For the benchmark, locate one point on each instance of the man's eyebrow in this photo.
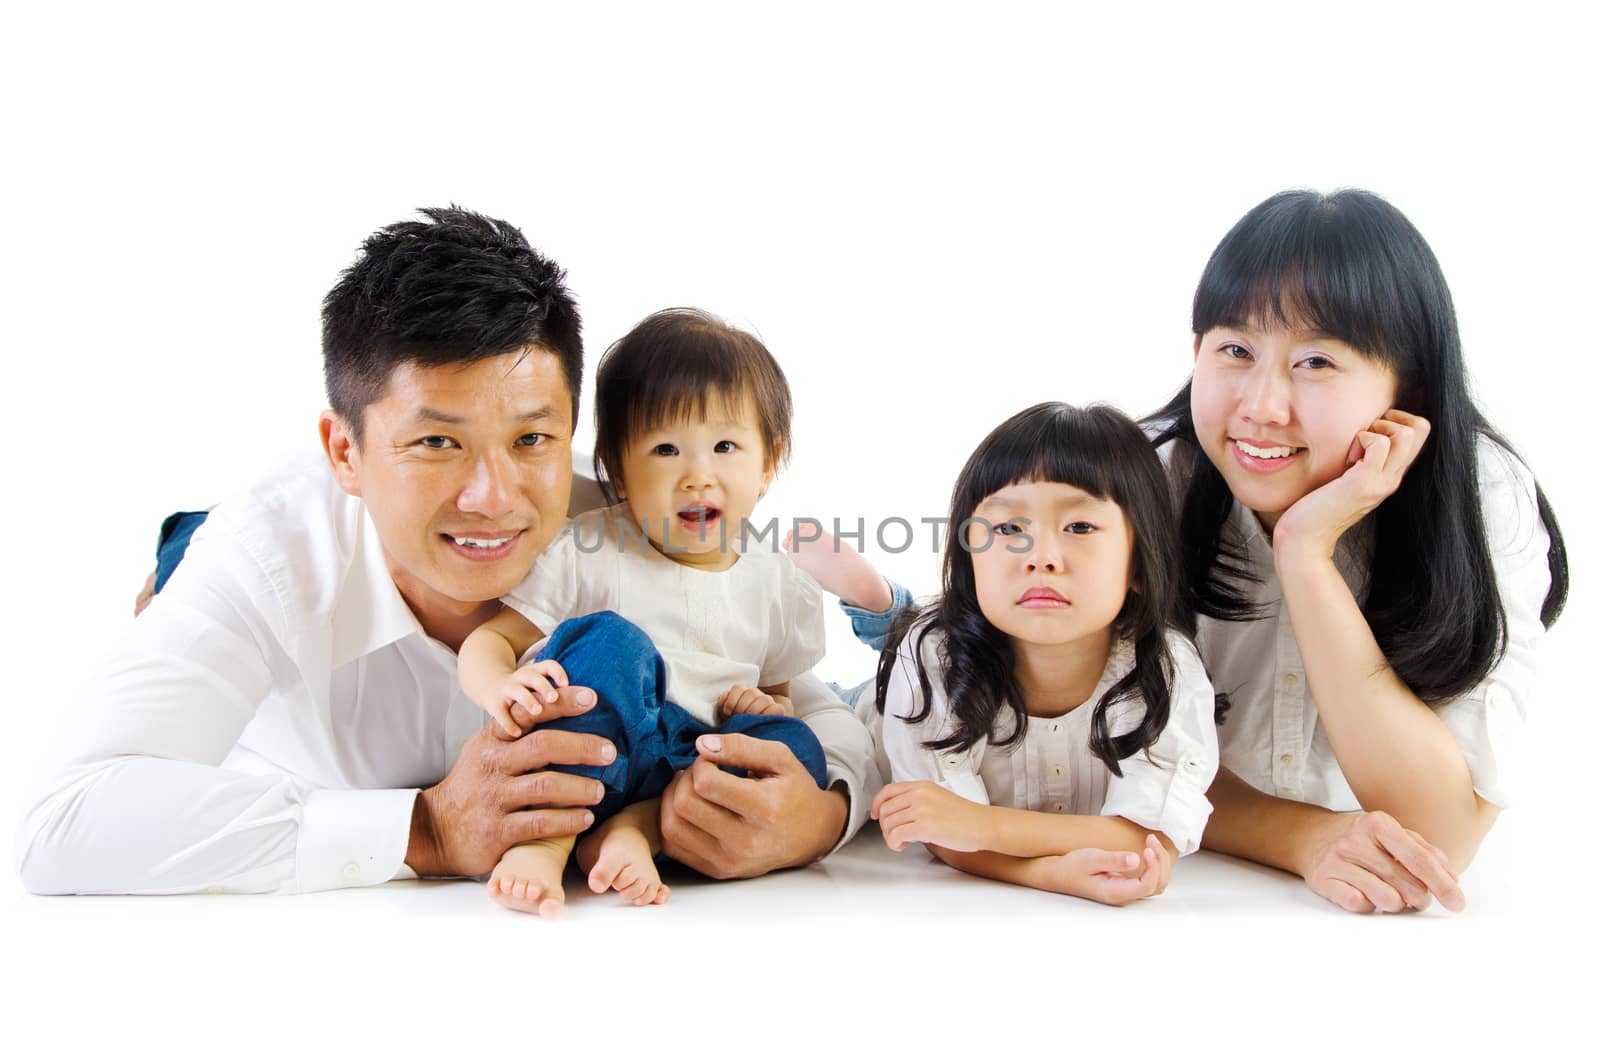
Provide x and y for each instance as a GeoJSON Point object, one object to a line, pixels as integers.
{"type": "Point", "coordinates": [429, 414]}
{"type": "Point", "coordinates": [543, 412]}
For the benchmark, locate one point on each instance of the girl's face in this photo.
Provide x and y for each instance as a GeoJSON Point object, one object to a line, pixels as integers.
{"type": "Point", "coordinates": [1054, 568]}
{"type": "Point", "coordinates": [1277, 410]}
{"type": "Point", "coordinates": [691, 484]}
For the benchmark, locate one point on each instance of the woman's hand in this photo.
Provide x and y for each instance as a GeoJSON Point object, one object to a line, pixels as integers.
{"type": "Point", "coordinates": [920, 811]}
{"type": "Point", "coordinates": [1367, 862]}
{"type": "Point", "coordinates": [1378, 459]}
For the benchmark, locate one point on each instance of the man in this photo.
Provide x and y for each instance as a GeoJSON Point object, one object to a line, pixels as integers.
{"type": "Point", "coordinates": [282, 714]}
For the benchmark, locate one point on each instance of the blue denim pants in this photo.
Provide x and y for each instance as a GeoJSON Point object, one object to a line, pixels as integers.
{"type": "Point", "coordinates": [173, 542]}
{"type": "Point", "coordinates": [872, 629]}
{"type": "Point", "coordinates": [654, 737]}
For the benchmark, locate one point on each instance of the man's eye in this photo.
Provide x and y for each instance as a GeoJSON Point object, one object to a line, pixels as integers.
{"type": "Point", "coordinates": [665, 449]}
{"type": "Point", "coordinates": [725, 446]}
{"type": "Point", "coordinates": [436, 441]}
{"type": "Point", "coordinates": [1081, 527]}
{"type": "Point", "coordinates": [531, 439]}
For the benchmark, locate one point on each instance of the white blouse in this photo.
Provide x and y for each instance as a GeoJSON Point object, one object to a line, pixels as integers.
{"type": "Point", "coordinates": [759, 623]}
{"type": "Point", "coordinates": [1052, 769]}
{"type": "Point", "coordinates": [1272, 736]}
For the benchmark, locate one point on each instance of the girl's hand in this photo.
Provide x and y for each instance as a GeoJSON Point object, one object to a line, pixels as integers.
{"type": "Point", "coordinates": [920, 811]}
{"type": "Point", "coordinates": [1378, 459]}
{"type": "Point", "coordinates": [529, 686]}
{"type": "Point", "coordinates": [1112, 877]}
{"type": "Point", "coordinates": [742, 700]}
{"type": "Point", "coordinates": [1368, 862]}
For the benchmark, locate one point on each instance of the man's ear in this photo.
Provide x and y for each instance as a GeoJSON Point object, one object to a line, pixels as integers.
{"type": "Point", "coordinates": [344, 455]}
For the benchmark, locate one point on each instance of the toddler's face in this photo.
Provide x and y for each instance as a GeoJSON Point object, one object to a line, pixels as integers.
{"type": "Point", "coordinates": [692, 484]}
{"type": "Point", "coordinates": [1054, 570]}
{"type": "Point", "coordinates": [1277, 410]}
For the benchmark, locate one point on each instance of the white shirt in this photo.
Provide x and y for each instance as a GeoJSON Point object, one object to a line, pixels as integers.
{"type": "Point", "coordinates": [266, 723]}
{"type": "Point", "coordinates": [757, 624]}
{"type": "Point", "coordinates": [1052, 769]}
{"type": "Point", "coordinates": [1272, 736]}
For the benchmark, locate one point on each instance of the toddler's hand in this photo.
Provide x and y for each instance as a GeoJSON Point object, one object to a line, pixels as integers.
{"type": "Point", "coordinates": [742, 700]}
{"type": "Point", "coordinates": [529, 685]}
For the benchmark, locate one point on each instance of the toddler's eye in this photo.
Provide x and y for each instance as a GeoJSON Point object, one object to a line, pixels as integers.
{"type": "Point", "coordinates": [725, 446]}
{"type": "Point", "coordinates": [1081, 527]}
{"type": "Point", "coordinates": [665, 449]}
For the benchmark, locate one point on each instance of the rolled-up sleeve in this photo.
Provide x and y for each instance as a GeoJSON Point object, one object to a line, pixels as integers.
{"type": "Point", "coordinates": [846, 745]}
{"type": "Point", "coordinates": [1165, 790]}
{"type": "Point", "coordinates": [904, 742]}
{"type": "Point", "coordinates": [1488, 722]}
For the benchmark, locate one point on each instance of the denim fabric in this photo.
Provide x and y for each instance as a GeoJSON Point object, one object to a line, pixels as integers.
{"type": "Point", "coordinates": [872, 629]}
{"type": "Point", "coordinates": [173, 542]}
{"type": "Point", "coordinates": [654, 737]}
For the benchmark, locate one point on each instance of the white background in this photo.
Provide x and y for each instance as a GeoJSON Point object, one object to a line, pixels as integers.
{"type": "Point", "coordinates": [934, 215]}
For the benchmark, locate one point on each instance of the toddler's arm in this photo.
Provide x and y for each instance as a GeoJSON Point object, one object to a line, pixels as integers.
{"type": "Point", "coordinates": [487, 668]}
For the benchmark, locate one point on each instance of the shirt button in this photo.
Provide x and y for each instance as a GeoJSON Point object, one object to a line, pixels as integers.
{"type": "Point", "coordinates": [1291, 679]}
{"type": "Point", "coordinates": [1054, 727]}
{"type": "Point", "coordinates": [1058, 771]}
{"type": "Point", "coordinates": [351, 871]}
{"type": "Point", "coordinates": [1059, 807]}
{"type": "Point", "coordinates": [1286, 759]}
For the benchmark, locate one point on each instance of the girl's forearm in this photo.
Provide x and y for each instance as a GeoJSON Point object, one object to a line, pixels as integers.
{"type": "Point", "coordinates": [1035, 834]}
{"type": "Point", "coordinates": [1394, 751]}
{"type": "Point", "coordinates": [1027, 872]}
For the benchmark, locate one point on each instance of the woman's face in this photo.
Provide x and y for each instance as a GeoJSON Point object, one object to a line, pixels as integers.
{"type": "Point", "coordinates": [1277, 410]}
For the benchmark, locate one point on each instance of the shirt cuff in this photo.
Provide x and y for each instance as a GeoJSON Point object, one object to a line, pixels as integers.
{"type": "Point", "coordinates": [353, 838]}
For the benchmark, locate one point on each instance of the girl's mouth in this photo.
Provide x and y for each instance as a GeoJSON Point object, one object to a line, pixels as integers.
{"type": "Point", "coordinates": [699, 519]}
{"type": "Point", "coordinates": [1041, 598]}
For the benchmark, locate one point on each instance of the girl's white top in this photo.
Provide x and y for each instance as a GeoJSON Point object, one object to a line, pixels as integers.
{"type": "Point", "coordinates": [1052, 768]}
{"type": "Point", "coordinates": [1272, 736]}
{"type": "Point", "coordinates": [759, 623]}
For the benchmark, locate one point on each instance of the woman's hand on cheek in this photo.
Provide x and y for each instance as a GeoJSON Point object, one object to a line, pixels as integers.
{"type": "Point", "coordinates": [1378, 459]}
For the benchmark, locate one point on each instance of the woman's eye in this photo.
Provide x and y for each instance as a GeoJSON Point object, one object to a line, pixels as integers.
{"type": "Point", "coordinates": [1317, 361]}
{"type": "Point", "coordinates": [436, 441]}
{"type": "Point", "coordinates": [724, 446]}
{"type": "Point", "coordinates": [1235, 351]}
{"type": "Point", "coordinates": [665, 449]}
{"type": "Point", "coordinates": [1081, 527]}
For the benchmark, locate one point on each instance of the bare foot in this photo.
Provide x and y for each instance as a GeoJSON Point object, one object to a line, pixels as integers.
{"type": "Point", "coordinates": [528, 877]}
{"type": "Point", "coordinates": [622, 862]}
{"type": "Point", "coordinates": [840, 569]}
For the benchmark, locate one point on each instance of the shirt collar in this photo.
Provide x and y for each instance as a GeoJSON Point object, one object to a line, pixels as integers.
{"type": "Point", "coordinates": [370, 613]}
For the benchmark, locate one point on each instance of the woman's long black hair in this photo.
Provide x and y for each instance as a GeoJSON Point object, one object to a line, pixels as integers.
{"type": "Point", "coordinates": [1353, 267]}
{"type": "Point", "coordinates": [1102, 452]}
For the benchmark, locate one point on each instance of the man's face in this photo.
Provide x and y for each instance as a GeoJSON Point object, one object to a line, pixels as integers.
{"type": "Point", "coordinates": [466, 470]}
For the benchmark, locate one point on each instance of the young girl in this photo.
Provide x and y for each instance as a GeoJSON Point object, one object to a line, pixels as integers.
{"type": "Point", "coordinates": [1045, 720]}
{"type": "Point", "coordinates": [649, 603]}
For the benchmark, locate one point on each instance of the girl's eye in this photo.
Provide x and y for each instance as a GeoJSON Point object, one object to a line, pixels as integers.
{"type": "Point", "coordinates": [724, 446]}
{"type": "Point", "coordinates": [665, 449]}
{"type": "Point", "coordinates": [436, 441]}
{"type": "Point", "coordinates": [1081, 527]}
{"type": "Point", "coordinates": [1007, 529]}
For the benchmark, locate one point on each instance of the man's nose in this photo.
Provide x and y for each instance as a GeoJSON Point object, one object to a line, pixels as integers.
{"type": "Point", "coordinates": [490, 489]}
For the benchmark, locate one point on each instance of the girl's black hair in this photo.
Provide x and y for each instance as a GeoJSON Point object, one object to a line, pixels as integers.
{"type": "Point", "coordinates": [1102, 452]}
{"type": "Point", "coordinates": [1353, 267]}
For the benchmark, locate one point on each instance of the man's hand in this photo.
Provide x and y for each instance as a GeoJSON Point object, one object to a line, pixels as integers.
{"type": "Point", "coordinates": [920, 811]}
{"type": "Point", "coordinates": [729, 827]}
{"type": "Point", "coordinates": [499, 793]}
{"type": "Point", "coordinates": [1366, 861]}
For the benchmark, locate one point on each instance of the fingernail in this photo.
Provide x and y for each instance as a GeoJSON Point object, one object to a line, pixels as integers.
{"type": "Point", "coordinates": [586, 698]}
{"type": "Point", "coordinates": [712, 744]}
{"type": "Point", "coordinates": [1132, 860]}
{"type": "Point", "coordinates": [608, 753]}
{"type": "Point", "coordinates": [588, 818]}
{"type": "Point", "coordinates": [535, 709]}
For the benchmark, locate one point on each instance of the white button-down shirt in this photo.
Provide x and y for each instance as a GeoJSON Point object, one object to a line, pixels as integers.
{"type": "Point", "coordinates": [1052, 769]}
{"type": "Point", "coordinates": [266, 723]}
{"type": "Point", "coordinates": [1272, 736]}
